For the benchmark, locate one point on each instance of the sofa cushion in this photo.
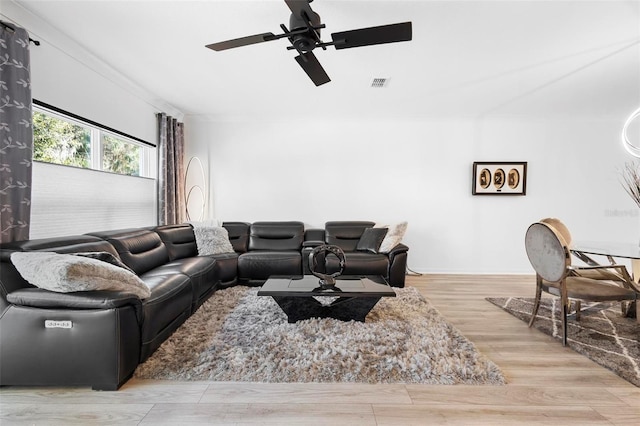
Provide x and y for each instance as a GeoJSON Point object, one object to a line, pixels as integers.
{"type": "Point", "coordinates": [371, 239]}
{"type": "Point", "coordinates": [394, 236]}
{"type": "Point", "coordinates": [140, 249]}
{"type": "Point", "coordinates": [260, 265]}
{"type": "Point", "coordinates": [64, 273]}
{"type": "Point", "coordinates": [345, 234]}
{"type": "Point", "coordinates": [279, 236]}
{"type": "Point", "coordinates": [200, 270]}
{"type": "Point", "coordinates": [168, 306]}
{"type": "Point", "coordinates": [360, 263]}
{"type": "Point", "coordinates": [179, 240]}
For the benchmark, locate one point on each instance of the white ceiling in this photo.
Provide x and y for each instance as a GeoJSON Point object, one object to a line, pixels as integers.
{"type": "Point", "coordinates": [467, 58]}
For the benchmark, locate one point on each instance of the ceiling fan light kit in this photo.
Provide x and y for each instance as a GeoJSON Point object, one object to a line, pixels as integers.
{"type": "Point", "coordinates": [304, 35]}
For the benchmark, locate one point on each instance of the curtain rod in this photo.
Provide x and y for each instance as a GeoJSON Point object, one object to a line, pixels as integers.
{"type": "Point", "coordinates": [12, 28]}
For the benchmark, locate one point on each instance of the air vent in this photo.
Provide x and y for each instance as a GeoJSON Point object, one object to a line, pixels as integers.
{"type": "Point", "coordinates": [379, 82]}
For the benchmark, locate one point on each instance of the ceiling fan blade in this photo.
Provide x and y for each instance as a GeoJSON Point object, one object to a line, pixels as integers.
{"type": "Point", "coordinates": [375, 35]}
{"type": "Point", "coordinates": [312, 67]}
{"type": "Point", "coordinates": [298, 7]}
{"type": "Point", "coordinates": [243, 41]}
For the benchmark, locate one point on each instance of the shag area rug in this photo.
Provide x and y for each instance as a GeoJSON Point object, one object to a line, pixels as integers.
{"type": "Point", "coordinates": [239, 336]}
{"type": "Point", "coordinates": [602, 335]}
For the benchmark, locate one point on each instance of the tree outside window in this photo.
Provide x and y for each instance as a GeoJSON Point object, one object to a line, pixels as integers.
{"type": "Point", "coordinates": [60, 142]}
{"type": "Point", "coordinates": [59, 139]}
{"type": "Point", "coordinates": [120, 156]}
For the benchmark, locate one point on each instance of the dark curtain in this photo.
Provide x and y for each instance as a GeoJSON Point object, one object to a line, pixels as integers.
{"type": "Point", "coordinates": [16, 134]}
{"type": "Point", "coordinates": [171, 206]}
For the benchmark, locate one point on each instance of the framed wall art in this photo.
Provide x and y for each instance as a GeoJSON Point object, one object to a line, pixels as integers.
{"type": "Point", "coordinates": [499, 178]}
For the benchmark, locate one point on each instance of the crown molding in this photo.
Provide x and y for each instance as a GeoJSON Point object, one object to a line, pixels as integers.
{"type": "Point", "coordinates": [40, 29]}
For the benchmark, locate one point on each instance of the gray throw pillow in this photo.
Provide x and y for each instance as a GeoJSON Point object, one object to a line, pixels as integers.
{"type": "Point", "coordinates": [66, 273]}
{"type": "Point", "coordinates": [212, 240]}
{"type": "Point", "coordinates": [393, 237]}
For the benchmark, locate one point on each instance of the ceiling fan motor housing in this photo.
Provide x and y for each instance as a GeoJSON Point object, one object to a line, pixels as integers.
{"type": "Point", "coordinates": [304, 34]}
{"type": "Point", "coordinates": [305, 42]}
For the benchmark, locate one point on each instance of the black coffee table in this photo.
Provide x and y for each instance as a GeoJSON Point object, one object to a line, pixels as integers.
{"type": "Point", "coordinates": [303, 297]}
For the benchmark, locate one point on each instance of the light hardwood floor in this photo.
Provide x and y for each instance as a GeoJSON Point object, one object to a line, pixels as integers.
{"type": "Point", "coordinates": [547, 384]}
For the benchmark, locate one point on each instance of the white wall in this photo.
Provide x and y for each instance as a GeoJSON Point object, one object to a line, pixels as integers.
{"type": "Point", "coordinates": [420, 171]}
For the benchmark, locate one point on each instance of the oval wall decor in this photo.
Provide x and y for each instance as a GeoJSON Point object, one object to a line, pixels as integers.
{"type": "Point", "coordinates": [195, 190]}
{"type": "Point", "coordinates": [499, 178]}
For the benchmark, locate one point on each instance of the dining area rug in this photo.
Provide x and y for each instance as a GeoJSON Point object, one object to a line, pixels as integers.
{"type": "Point", "coordinates": [239, 336]}
{"type": "Point", "coordinates": [602, 334]}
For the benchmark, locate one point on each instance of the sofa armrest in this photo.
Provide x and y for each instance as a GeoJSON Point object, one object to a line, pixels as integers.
{"type": "Point", "coordinates": [85, 342]}
{"type": "Point", "coordinates": [39, 298]}
{"type": "Point", "coordinates": [312, 244]}
{"type": "Point", "coordinates": [397, 265]}
{"type": "Point", "coordinates": [400, 248]}
{"type": "Point", "coordinates": [307, 248]}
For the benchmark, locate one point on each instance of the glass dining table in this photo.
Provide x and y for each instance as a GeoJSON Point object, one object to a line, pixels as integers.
{"type": "Point", "coordinates": [583, 250]}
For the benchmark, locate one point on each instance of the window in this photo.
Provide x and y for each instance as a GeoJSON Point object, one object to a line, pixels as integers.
{"type": "Point", "coordinates": [60, 141]}
{"type": "Point", "coordinates": [83, 198]}
{"type": "Point", "coordinates": [120, 156]}
{"type": "Point", "coordinates": [66, 139]}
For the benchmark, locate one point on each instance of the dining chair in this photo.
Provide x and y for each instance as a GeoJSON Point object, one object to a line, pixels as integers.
{"type": "Point", "coordinates": [564, 232]}
{"type": "Point", "coordinates": [550, 257]}
{"type": "Point", "coordinates": [616, 273]}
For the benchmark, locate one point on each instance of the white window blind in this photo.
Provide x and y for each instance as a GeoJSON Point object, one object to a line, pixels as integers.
{"type": "Point", "coordinates": [70, 201]}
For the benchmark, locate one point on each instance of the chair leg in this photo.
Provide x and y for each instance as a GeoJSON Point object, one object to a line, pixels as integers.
{"type": "Point", "coordinates": [578, 308]}
{"type": "Point", "coordinates": [536, 303]}
{"type": "Point", "coordinates": [566, 304]}
{"type": "Point", "coordinates": [628, 308]}
{"type": "Point", "coordinates": [565, 308]}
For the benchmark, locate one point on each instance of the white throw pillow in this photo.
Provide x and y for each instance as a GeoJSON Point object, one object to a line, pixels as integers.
{"type": "Point", "coordinates": [65, 273]}
{"type": "Point", "coordinates": [394, 236]}
{"type": "Point", "coordinates": [212, 240]}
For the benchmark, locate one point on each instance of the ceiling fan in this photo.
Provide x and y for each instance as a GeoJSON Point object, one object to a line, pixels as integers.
{"type": "Point", "coordinates": [304, 36]}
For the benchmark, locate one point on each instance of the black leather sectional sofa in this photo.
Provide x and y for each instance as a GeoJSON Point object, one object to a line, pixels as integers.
{"type": "Point", "coordinates": [108, 333]}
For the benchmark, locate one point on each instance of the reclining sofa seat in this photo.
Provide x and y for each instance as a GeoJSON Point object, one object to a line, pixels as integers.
{"type": "Point", "coordinates": [102, 349]}
{"type": "Point", "coordinates": [346, 235]}
{"type": "Point", "coordinates": [174, 294]}
{"type": "Point", "coordinates": [181, 244]}
{"type": "Point", "coordinates": [267, 249]}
